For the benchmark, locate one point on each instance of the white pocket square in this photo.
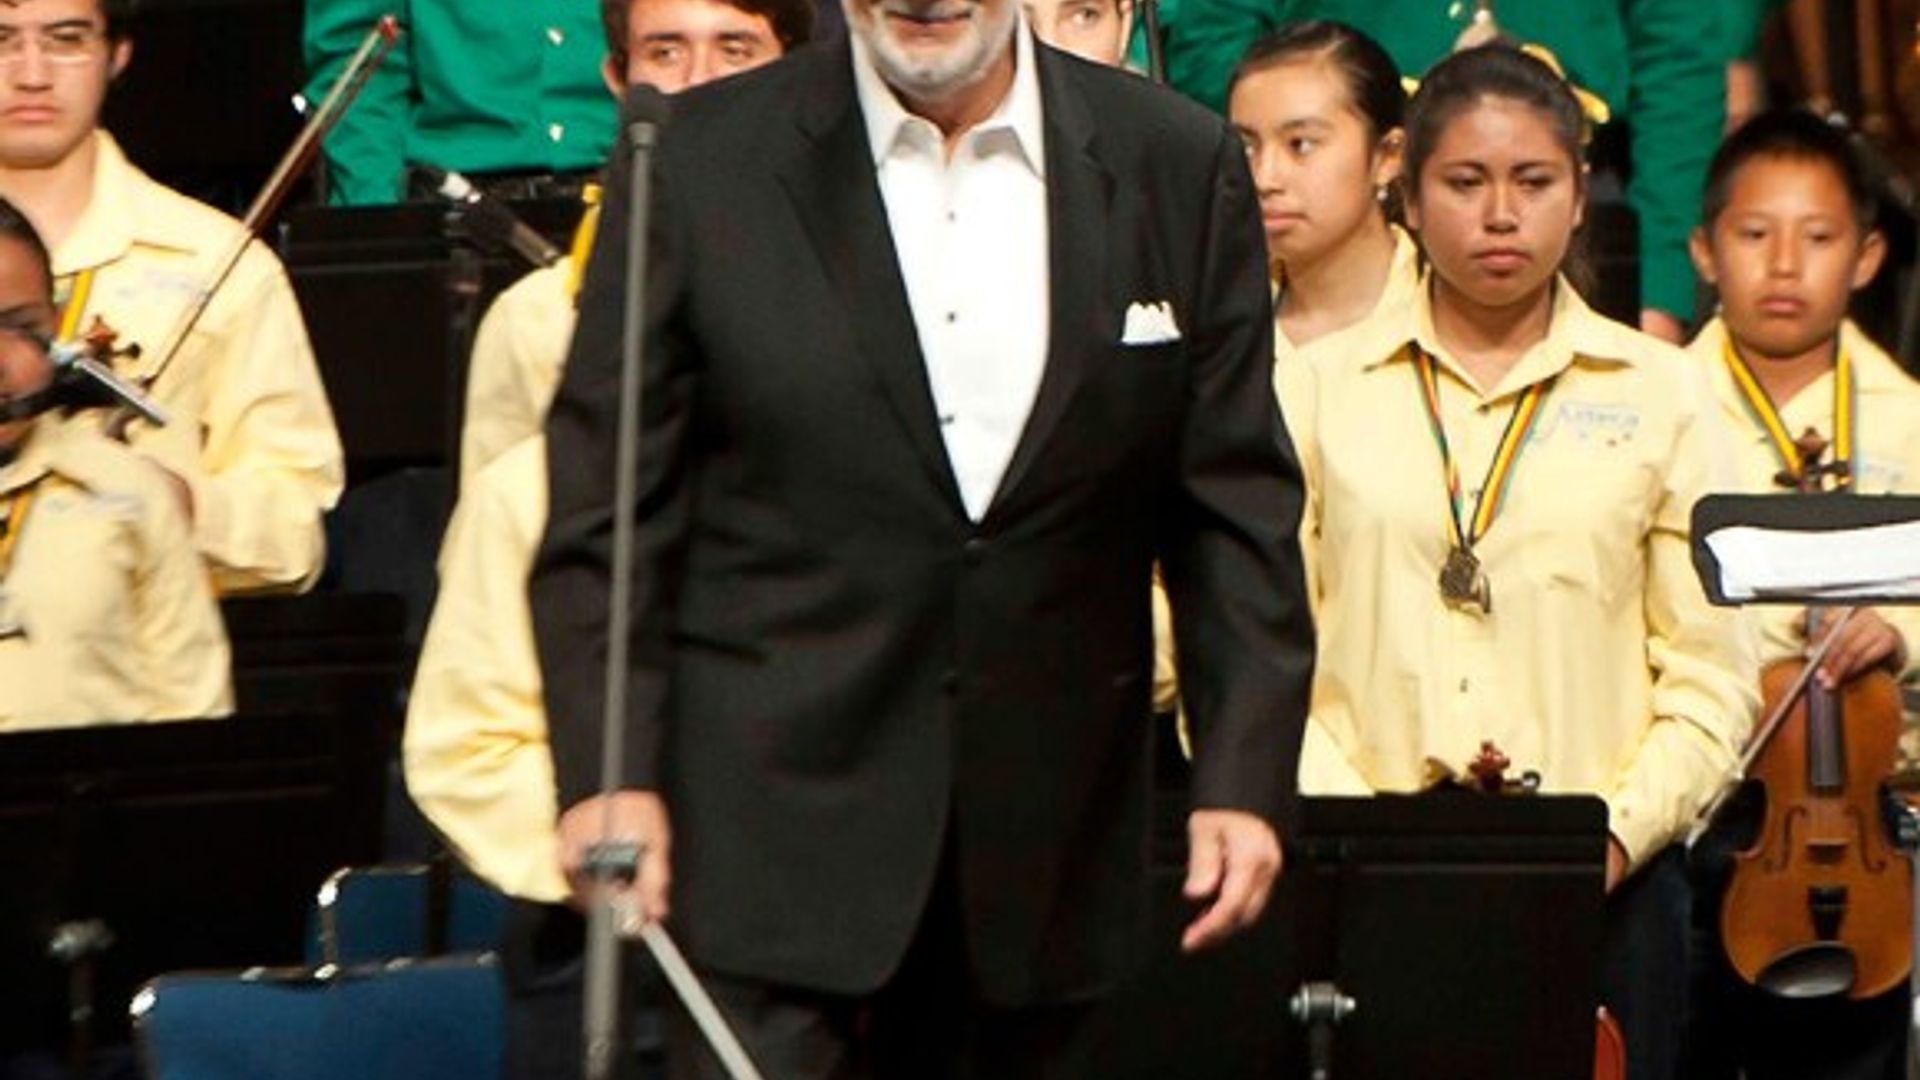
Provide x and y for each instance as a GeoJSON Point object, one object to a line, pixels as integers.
{"type": "Point", "coordinates": [1149, 324]}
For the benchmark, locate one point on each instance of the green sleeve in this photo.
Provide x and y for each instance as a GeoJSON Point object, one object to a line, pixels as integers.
{"type": "Point", "coordinates": [1676, 107]}
{"type": "Point", "coordinates": [1205, 40]}
{"type": "Point", "coordinates": [367, 150]}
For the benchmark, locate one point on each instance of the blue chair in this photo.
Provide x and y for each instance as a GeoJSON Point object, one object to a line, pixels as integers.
{"type": "Point", "coordinates": [424, 1020]}
{"type": "Point", "coordinates": [369, 914]}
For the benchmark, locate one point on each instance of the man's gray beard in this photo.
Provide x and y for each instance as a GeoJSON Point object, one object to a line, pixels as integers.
{"type": "Point", "coordinates": [932, 80]}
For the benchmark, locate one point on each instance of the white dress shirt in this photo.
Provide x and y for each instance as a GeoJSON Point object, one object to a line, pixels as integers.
{"type": "Point", "coordinates": [971, 235]}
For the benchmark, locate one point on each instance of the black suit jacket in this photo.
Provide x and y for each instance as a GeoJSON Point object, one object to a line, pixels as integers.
{"type": "Point", "coordinates": [837, 673]}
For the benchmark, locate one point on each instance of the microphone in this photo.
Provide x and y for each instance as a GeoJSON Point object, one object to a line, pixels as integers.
{"type": "Point", "coordinates": [489, 219]}
{"type": "Point", "coordinates": [81, 381]}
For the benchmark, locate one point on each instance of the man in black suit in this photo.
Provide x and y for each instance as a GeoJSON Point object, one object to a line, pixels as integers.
{"type": "Point", "coordinates": [950, 337]}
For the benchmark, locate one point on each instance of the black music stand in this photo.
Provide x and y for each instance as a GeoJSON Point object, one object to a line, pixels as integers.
{"type": "Point", "coordinates": [392, 296]}
{"type": "Point", "coordinates": [156, 847]}
{"type": "Point", "coordinates": [1842, 523]}
{"type": "Point", "coordinates": [1466, 929]}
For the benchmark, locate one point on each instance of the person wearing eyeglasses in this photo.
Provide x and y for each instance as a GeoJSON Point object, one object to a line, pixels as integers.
{"type": "Point", "coordinates": [105, 614]}
{"type": "Point", "coordinates": [251, 452]}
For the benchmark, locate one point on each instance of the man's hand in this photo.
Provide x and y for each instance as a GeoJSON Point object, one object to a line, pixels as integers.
{"type": "Point", "coordinates": [1866, 642]}
{"type": "Point", "coordinates": [1233, 860]}
{"type": "Point", "coordinates": [639, 817]}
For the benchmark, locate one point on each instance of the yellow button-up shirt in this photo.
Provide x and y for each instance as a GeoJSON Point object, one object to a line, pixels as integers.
{"type": "Point", "coordinates": [1402, 285]}
{"type": "Point", "coordinates": [517, 356]}
{"type": "Point", "coordinates": [1601, 664]}
{"type": "Point", "coordinates": [1886, 455]}
{"type": "Point", "coordinates": [105, 612]}
{"type": "Point", "coordinates": [475, 747]}
{"type": "Point", "coordinates": [252, 433]}
{"type": "Point", "coordinates": [519, 351]}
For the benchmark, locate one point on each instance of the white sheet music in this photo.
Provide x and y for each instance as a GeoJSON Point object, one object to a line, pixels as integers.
{"type": "Point", "coordinates": [1841, 564]}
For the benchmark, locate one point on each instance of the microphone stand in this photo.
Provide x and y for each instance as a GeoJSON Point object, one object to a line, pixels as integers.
{"type": "Point", "coordinates": [610, 864]}
{"type": "Point", "coordinates": [1156, 46]}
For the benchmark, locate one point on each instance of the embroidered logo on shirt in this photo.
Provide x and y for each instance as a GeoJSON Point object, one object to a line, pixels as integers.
{"type": "Point", "coordinates": [1607, 425]}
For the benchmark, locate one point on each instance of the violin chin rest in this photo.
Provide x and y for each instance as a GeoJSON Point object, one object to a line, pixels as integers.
{"type": "Point", "coordinates": [1817, 970]}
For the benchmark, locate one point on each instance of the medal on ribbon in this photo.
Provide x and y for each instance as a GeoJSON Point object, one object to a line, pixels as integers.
{"type": "Point", "coordinates": [1795, 462]}
{"type": "Point", "coordinates": [1464, 585]}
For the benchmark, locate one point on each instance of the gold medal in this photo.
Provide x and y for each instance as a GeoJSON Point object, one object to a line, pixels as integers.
{"type": "Point", "coordinates": [1463, 582]}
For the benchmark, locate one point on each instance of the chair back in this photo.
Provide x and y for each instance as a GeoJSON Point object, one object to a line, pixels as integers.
{"type": "Point", "coordinates": [370, 914]}
{"type": "Point", "coordinates": [425, 1020]}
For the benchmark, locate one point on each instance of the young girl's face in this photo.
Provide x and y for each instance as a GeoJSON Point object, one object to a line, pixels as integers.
{"type": "Point", "coordinates": [1497, 201]}
{"type": "Point", "coordinates": [1316, 163]}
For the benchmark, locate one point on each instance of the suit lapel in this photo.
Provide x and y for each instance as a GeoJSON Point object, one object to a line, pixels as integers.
{"type": "Point", "coordinates": [832, 183]}
{"type": "Point", "coordinates": [1079, 204]}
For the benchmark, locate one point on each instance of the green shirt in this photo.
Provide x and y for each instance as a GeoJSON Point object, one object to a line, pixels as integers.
{"type": "Point", "coordinates": [473, 85]}
{"type": "Point", "coordinates": [1659, 65]}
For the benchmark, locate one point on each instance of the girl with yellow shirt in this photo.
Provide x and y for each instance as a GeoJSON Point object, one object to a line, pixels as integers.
{"type": "Point", "coordinates": [1320, 107]}
{"type": "Point", "coordinates": [1499, 487]}
{"type": "Point", "coordinates": [106, 615]}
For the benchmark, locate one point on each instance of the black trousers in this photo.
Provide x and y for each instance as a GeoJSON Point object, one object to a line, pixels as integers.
{"type": "Point", "coordinates": [542, 965]}
{"type": "Point", "coordinates": [1643, 973]}
{"type": "Point", "coordinates": [926, 1023]}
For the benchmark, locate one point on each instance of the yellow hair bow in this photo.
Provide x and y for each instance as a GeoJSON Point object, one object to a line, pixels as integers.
{"type": "Point", "coordinates": [1591, 104]}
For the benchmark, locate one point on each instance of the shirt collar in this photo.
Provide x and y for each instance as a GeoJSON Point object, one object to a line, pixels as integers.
{"type": "Point", "coordinates": [116, 217]}
{"type": "Point", "coordinates": [1018, 112]}
{"type": "Point", "coordinates": [1574, 332]}
{"type": "Point", "coordinates": [1873, 370]}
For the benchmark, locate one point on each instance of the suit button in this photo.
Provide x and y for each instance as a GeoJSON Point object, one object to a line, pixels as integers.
{"type": "Point", "coordinates": [950, 682]}
{"type": "Point", "coordinates": [974, 552]}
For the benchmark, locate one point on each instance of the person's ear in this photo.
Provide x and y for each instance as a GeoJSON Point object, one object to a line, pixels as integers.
{"type": "Point", "coordinates": [1581, 180]}
{"type": "Point", "coordinates": [615, 78]}
{"type": "Point", "coordinates": [119, 55]}
{"type": "Point", "coordinates": [1700, 250]}
{"type": "Point", "coordinates": [1389, 156]}
{"type": "Point", "coordinates": [1873, 255]}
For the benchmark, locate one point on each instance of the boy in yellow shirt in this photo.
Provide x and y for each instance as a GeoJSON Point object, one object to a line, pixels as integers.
{"type": "Point", "coordinates": [1787, 235]}
{"type": "Point", "coordinates": [251, 451]}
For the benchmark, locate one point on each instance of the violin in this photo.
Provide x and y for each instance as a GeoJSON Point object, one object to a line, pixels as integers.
{"type": "Point", "coordinates": [1821, 903]}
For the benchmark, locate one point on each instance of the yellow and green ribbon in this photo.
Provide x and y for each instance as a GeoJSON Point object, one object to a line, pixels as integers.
{"type": "Point", "coordinates": [1761, 407]}
{"type": "Point", "coordinates": [79, 289]}
{"type": "Point", "coordinates": [1493, 492]}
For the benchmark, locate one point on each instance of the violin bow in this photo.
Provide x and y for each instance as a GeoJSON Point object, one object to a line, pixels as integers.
{"type": "Point", "coordinates": [366, 59]}
{"type": "Point", "coordinates": [1764, 734]}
